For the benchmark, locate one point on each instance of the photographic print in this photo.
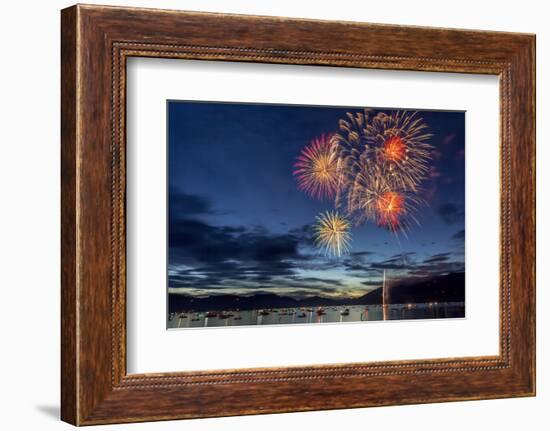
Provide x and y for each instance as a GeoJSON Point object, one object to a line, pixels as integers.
{"type": "Point", "coordinates": [294, 214]}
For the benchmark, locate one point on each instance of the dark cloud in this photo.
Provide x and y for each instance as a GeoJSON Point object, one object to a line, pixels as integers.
{"type": "Point", "coordinates": [304, 233]}
{"type": "Point", "coordinates": [440, 257]}
{"type": "Point", "coordinates": [315, 282]}
{"type": "Point", "coordinates": [460, 235]}
{"type": "Point", "coordinates": [406, 265]}
{"type": "Point", "coordinates": [361, 253]}
{"type": "Point", "coordinates": [436, 265]}
{"type": "Point", "coordinates": [451, 213]}
{"type": "Point", "coordinates": [221, 255]}
{"type": "Point", "coordinates": [183, 205]}
{"type": "Point", "coordinates": [371, 283]}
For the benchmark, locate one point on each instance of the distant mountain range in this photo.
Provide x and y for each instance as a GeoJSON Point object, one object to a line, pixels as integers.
{"type": "Point", "coordinates": [447, 288]}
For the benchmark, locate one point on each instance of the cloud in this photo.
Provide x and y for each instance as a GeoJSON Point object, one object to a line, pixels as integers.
{"type": "Point", "coordinates": [436, 265]}
{"type": "Point", "coordinates": [371, 283]}
{"type": "Point", "coordinates": [204, 255]}
{"type": "Point", "coordinates": [460, 235]}
{"type": "Point", "coordinates": [184, 205]}
{"type": "Point", "coordinates": [361, 253]}
{"type": "Point", "coordinates": [451, 213]}
{"type": "Point", "coordinates": [440, 257]}
{"type": "Point", "coordinates": [406, 265]}
{"type": "Point", "coordinates": [208, 259]}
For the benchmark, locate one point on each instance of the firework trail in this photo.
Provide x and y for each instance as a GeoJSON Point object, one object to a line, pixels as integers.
{"type": "Point", "coordinates": [332, 233]}
{"type": "Point", "coordinates": [316, 169]}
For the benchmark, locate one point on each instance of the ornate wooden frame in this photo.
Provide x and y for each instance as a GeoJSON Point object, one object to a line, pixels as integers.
{"type": "Point", "coordinates": [95, 43]}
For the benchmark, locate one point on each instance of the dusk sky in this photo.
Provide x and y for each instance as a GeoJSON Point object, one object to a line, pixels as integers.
{"type": "Point", "coordinates": [239, 225]}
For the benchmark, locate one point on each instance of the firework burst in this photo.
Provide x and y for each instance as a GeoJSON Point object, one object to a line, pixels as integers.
{"type": "Point", "coordinates": [317, 169]}
{"type": "Point", "coordinates": [391, 209]}
{"type": "Point", "coordinates": [383, 160]}
{"type": "Point", "coordinates": [332, 233]}
{"type": "Point", "coordinates": [399, 142]}
{"type": "Point", "coordinates": [396, 142]}
{"type": "Point", "coordinates": [371, 196]}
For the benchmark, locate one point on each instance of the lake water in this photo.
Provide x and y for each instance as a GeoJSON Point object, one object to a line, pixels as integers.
{"type": "Point", "coordinates": [337, 314]}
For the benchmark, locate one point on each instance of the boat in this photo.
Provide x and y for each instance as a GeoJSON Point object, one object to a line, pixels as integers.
{"type": "Point", "coordinates": [183, 316]}
{"type": "Point", "coordinates": [301, 315]}
{"type": "Point", "coordinates": [344, 312]}
{"type": "Point", "coordinates": [263, 312]}
{"type": "Point", "coordinates": [211, 314]}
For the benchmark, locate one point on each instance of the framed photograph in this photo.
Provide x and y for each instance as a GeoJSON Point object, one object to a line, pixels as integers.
{"type": "Point", "coordinates": [331, 214]}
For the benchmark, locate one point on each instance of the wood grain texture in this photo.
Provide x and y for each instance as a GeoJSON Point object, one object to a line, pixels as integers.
{"type": "Point", "coordinates": [96, 41]}
{"type": "Point", "coordinates": [69, 396]}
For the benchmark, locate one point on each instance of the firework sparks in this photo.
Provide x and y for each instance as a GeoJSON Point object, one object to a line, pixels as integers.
{"type": "Point", "coordinates": [391, 207]}
{"type": "Point", "coordinates": [332, 233]}
{"type": "Point", "coordinates": [400, 142]}
{"type": "Point", "coordinates": [395, 149]}
{"type": "Point", "coordinates": [383, 161]}
{"type": "Point", "coordinates": [372, 197]}
{"type": "Point", "coordinates": [317, 169]}
{"type": "Point", "coordinates": [397, 142]}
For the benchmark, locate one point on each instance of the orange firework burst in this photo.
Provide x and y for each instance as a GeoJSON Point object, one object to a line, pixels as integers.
{"type": "Point", "coordinates": [395, 149]}
{"type": "Point", "coordinates": [371, 196]}
{"type": "Point", "coordinates": [391, 207]}
{"type": "Point", "coordinates": [332, 233]}
{"type": "Point", "coordinates": [400, 143]}
{"type": "Point", "coordinates": [317, 169]}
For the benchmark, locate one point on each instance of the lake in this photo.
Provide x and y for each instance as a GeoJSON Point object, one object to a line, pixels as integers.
{"type": "Point", "coordinates": [311, 315]}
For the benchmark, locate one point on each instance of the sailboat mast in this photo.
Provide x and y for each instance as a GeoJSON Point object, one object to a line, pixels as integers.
{"type": "Point", "coordinates": [384, 289]}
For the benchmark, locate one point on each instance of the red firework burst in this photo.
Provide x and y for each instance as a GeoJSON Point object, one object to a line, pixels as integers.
{"type": "Point", "coordinates": [390, 207]}
{"type": "Point", "coordinates": [317, 169]}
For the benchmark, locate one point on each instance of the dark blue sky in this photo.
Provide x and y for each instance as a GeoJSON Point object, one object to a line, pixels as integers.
{"type": "Point", "coordinates": [238, 224]}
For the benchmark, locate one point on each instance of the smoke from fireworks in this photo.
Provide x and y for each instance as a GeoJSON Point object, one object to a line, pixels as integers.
{"type": "Point", "coordinates": [316, 169]}
{"type": "Point", "coordinates": [332, 233]}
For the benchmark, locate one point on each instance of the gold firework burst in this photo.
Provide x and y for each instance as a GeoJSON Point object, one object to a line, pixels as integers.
{"type": "Point", "coordinates": [316, 169]}
{"type": "Point", "coordinates": [332, 233]}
